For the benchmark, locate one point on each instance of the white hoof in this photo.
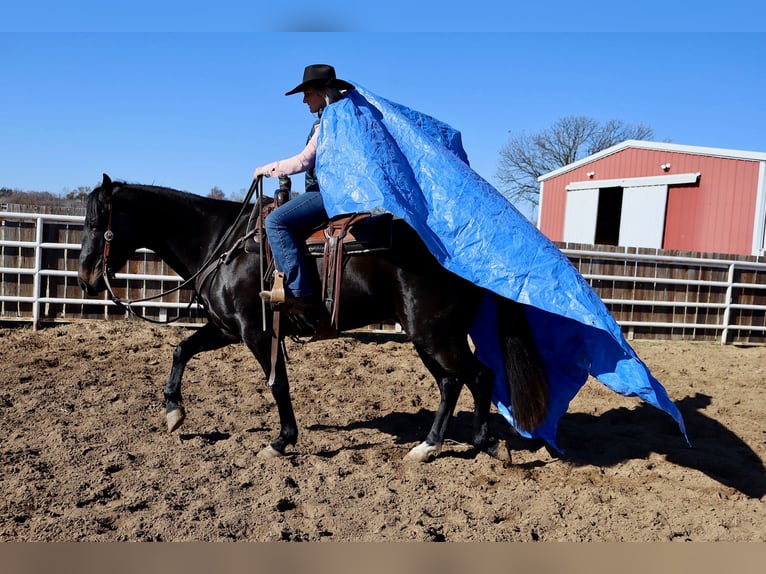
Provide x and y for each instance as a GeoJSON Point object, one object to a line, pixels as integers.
{"type": "Point", "coordinates": [175, 418]}
{"type": "Point", "coordinates": [501, 452]}
{"type": "Point", "coordinates": [269, 452]}
{"type": "Point", "coordinates": [423, 452]}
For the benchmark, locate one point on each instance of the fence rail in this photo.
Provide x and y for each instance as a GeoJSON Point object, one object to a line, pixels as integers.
{"type": "Point", "coordinates": [38, 277]}
{"type": "Point", "coordinates": [656, 294]}
{"type": "Point", "coordinates": [652, 294]}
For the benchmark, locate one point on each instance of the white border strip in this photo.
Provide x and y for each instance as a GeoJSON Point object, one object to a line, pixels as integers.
{"type": "Point", "coordinates": [674, 179]}
{"type": "Point", "coordinates": [759, 218]}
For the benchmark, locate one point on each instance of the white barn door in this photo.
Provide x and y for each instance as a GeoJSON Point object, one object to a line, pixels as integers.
{"type": "Point", "coordinates": [580, 216]}
{"type": "Point", "coordinates": [642, 222]}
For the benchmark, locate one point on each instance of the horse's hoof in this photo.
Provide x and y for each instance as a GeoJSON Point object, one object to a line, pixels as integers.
{"type": "Point", "coordinates": [269, 452]}
{"type": "Point", "coordinates": [175, 418]}
{"type": "Point", "coordinates": [423, 452]}
{"type": "Point", "coordinates": [500, 452]}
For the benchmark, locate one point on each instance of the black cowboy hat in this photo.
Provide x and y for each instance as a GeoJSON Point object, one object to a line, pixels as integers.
{"type": "Point", "coordinates": [321, 76]}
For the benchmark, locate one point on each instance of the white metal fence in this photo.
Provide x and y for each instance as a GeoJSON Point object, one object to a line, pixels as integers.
{"type": "Point", "coordinates": [651, 294]}
{"type": "Point", "coordinates": [676, 296]}
{"type": "Point", "coordinates": [38, 276]}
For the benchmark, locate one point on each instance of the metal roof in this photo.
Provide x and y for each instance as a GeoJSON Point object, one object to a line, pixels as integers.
{"type": "Point", "coordinates": [658, 146]}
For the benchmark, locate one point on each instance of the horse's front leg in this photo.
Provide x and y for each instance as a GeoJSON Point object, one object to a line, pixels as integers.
{"type": "Point", "coordinates": [280, 390]}
{"type": "Point", "coordinates": [207, 338]}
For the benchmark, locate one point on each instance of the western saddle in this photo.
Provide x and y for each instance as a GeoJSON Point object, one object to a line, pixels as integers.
{"type": "Point", "coordinates": [341, 237]}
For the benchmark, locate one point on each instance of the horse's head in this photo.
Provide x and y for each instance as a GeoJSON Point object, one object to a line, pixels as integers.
{"type": "Point", "coordinates": [106, 244]}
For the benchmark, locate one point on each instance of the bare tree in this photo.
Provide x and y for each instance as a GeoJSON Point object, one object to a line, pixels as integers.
{"type": "Point", "coordinates": [81, 192]}
{"type": "Point", "coordinates": [43, 201]}
{"type": "Point", "coordinates": [216, 193]}
{"type": "Point", "coordinates": [528, 156]}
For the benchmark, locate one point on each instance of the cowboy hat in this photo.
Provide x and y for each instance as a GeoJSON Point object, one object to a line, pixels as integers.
{"type": "Point", "coordinates": [322, 76]}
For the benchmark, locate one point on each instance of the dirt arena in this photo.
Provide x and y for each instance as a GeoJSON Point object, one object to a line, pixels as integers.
{"type": "Point", "coordinates": [85, 455]}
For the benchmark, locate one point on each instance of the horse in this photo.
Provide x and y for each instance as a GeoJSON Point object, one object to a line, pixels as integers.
{"type": "Point", "coordinates": [403, 283]}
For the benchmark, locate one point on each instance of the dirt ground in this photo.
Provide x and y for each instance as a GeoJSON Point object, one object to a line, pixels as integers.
{"type": "Point", "coordinates": [85, 454]}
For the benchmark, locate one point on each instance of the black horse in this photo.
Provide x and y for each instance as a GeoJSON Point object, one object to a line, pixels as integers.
{"type": "Point", "coordinates": [404, 283]}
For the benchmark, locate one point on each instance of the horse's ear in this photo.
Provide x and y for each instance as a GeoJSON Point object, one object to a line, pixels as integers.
{"type": "Point", "coordinates": [107, 187]}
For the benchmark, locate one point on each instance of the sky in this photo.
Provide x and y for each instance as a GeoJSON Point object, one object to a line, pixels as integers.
{"type": "Point", "coordinates": [197, 101]}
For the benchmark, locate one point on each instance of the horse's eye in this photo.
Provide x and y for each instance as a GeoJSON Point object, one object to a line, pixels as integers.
{"type": "Point", "coordinates": [94, 220]}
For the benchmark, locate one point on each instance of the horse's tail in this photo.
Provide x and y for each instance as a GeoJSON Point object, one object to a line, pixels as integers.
{"type": "Point", "coordinates": [525, 373]}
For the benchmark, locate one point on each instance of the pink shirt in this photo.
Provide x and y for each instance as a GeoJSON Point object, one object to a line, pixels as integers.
{"type": "Point", "coordinates": [295, 164]}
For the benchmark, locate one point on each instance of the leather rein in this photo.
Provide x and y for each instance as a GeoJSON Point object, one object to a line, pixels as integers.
{"type": "Point", "coordinates": [216, 258]}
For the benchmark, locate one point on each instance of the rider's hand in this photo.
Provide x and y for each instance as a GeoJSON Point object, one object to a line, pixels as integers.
{"type": "Point", "coordinates": [261, 171]}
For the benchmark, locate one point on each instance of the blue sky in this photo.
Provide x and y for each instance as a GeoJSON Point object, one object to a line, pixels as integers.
{"type": "Point", "coordinates": [194, 110]}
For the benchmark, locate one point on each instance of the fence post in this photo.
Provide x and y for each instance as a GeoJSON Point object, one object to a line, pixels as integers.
{"type": "Point", "coordinates": [36, 278]}
{"type": "Point", "coordinates": [729, 301]}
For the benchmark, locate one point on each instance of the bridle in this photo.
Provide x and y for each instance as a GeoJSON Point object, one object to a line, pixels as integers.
{"type": "Point", "coordinates": [216, 258]}
{"type": "Point", "coordinates": [107, 273]}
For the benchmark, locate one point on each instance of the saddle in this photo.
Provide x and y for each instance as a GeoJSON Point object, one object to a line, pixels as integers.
{"type": "Point", "coordinates": [344, 235]}
{"type": "Point", "coordinates": [341, 237]}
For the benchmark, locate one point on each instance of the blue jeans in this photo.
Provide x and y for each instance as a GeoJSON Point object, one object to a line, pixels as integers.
{"type": "Point", "coordinates": [287, 228]}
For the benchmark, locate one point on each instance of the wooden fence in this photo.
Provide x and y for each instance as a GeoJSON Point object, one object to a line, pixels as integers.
{"type": "Point", "coordinates": [659, 294]}
{"type": "Point", "coordinates": [38, 276]}
{"type": "Point", "coordinates": [652, 294]}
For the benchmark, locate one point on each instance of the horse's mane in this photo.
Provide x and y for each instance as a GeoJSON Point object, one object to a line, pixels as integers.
{"type": "Point", "coordinates": [208, 204]}
{"type": "Point", "coordinates": [162, 191]}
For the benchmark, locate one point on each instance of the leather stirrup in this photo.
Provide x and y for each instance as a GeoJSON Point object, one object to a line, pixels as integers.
{"type": "Point", "coordinates": [277, 293]}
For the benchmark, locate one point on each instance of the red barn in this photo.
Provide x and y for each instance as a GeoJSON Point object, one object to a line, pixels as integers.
{"type": "Point", "coordinates": [659, 195]}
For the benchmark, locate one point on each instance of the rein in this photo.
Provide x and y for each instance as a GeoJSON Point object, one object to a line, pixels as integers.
{"type": "Point", "coordinates": [217, 254]}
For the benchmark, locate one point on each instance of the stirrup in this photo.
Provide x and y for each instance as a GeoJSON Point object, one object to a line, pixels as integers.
{"type": "Point", "coordinates": [277, 293]}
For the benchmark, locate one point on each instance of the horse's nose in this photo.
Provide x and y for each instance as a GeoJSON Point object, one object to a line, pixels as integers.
{"type": "Point", "coordinates": [85, 287]}
{"type": "Point", "coordinates": [83, 279]}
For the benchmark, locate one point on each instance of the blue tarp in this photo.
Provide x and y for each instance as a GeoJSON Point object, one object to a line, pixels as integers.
{"type": "Point", "coordinates": [376, 155]}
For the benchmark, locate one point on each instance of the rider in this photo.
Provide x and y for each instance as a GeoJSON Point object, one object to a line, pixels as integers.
{"type": "Point", "coordinates": [288, 225]}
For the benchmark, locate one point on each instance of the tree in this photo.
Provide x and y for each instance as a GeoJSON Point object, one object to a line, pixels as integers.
{"type": "Point", "coordinates": [81, 193]}
{"type": "Point", "coordinates": [528, 156]}
{"type": "Point", "coordinates": [216, 193]}
{"type": "Point", "coordinates": [68, 202]}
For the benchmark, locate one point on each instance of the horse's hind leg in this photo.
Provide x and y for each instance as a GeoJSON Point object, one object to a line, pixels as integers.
{"type": "Point", "coordinates": [453, 366]}
{"type": "Point", "coordinates": [207, 338]}
{"type": "Point", "coordinates": [481, 387]}
{"type": "Point", "coordinates": [447, 367]}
